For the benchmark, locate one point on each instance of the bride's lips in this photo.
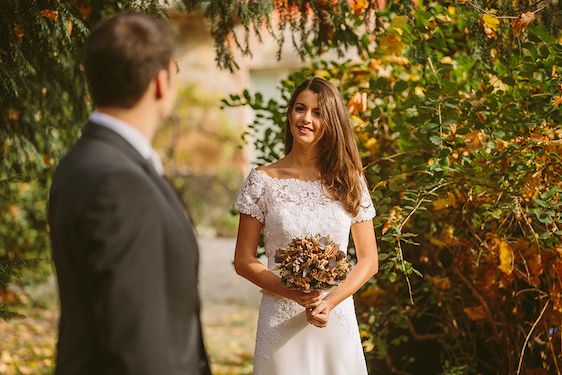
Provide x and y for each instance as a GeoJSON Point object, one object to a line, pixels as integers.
{"type": "Point", "coordinates": [304, 129]}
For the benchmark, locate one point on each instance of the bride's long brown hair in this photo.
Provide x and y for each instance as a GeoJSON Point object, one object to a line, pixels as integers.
{"type": "Point", "coordinates": [339, 160]}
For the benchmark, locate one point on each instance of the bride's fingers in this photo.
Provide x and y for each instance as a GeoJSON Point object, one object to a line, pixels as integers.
{"type": "Point", "coordinates": [318, 317]}
{"type": "Point", "coordinates": [313, 299]}
{"type": "Point", "coordinates": [310, 296]}
{"type": "Point", "coordinates": [318, 322]}
{"type": "Point", "coordinates": [319, 309]}
{"type": "Point", "coordinates": [311, 304]}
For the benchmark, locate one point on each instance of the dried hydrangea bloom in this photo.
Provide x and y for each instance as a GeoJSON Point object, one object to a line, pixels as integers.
{"type": "Point", "coordinates": [312, 263]}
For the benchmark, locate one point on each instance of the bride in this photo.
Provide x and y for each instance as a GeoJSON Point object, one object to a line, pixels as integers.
{"type": "Point", "coordinates": [318, 187]}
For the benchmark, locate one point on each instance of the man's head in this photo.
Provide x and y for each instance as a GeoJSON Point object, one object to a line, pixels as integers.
{"type": "Point", "coordinates": [128, 60]}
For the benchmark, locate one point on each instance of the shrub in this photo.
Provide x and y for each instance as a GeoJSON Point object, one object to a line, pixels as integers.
{"type": "Point", "coordinates": [461, 146]}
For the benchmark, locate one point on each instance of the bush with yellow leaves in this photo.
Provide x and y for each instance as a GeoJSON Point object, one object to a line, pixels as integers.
{"type": "Point", "coordinates": [461, 148]}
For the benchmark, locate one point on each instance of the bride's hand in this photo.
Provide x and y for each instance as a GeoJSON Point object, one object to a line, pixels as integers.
{"type": "Point", "coordinates": [319, 316]}
{"type": "Point", "coordinates": [308, 300]}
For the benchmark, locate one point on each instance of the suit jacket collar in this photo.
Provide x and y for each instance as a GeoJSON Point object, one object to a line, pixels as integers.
{"type": "Point", "coordinates": [93, 130]}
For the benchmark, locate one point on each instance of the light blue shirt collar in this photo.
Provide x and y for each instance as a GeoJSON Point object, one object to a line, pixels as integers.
{"type": "Point", "coordinates": [130, 134]}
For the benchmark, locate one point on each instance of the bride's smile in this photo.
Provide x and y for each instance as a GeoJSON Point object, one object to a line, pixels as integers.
{"type": "Point", "coordinates": [306, 124]}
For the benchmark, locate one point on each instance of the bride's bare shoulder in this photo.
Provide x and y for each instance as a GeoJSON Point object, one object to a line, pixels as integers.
{"type": "Point", "coordinates": [275, 169]}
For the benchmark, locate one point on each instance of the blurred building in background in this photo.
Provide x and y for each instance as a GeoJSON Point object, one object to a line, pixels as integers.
{"type": "Point", "coordinates": [201, 146]}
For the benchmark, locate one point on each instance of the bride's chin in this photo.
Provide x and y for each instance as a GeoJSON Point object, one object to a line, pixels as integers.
{"type": "Point", "coordinates": [306, 142]}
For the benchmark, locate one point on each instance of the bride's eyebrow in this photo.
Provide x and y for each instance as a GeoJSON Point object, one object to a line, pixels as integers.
{"type": "Point", "coordinates": [304, 105]}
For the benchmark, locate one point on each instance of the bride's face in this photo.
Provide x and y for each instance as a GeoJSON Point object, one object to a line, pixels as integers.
{"type": "Point", "coordinates": [304, 119]}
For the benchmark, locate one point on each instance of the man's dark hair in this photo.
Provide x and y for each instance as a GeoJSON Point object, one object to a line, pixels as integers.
{"type": "Point", "coordinates": [123, 54]}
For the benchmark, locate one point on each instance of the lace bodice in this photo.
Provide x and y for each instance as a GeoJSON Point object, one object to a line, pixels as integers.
{"type": "Point", "coordinates": [291, 208]}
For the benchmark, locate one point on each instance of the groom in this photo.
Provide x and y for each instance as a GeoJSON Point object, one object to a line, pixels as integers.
{"type": "Point", "coordinates": [125, 253]}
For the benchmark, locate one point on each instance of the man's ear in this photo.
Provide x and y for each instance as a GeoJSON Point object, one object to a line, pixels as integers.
{"type": "Point", "coordinates": [160, 81]}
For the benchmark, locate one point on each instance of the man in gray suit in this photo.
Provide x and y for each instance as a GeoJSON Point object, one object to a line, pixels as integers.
{"type": "Point", "coordinates": [125, 253]}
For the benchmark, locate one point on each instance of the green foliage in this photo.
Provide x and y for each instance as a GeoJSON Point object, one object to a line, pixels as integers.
{"type": "Point", "coordinates": [203, 158]}
{"type": "Point", "coordinates": [316, 26]}
{"type": "Point", "coordinates": [462, 152]}
{"type": "Point", "coordinates": [43, 105]}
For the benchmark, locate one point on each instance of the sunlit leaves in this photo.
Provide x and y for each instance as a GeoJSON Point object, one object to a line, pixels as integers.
{"type": "Point", "coordinates": [520, 24]}
{"type": "Point", "coordinates": [462, 156]}
{"type": "Point", "coordinates": [44, 106]}
{"type": "Point", "coordinates": [50, 14]}
{"type": "Point", "coordinates": [490, 21]}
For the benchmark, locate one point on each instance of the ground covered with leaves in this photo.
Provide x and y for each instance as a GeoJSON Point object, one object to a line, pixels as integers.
{"type": "Point", "coordinates": [28, 344]}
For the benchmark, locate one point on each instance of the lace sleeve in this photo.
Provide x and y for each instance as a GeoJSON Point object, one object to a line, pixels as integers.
{"type": "Point", "coordinates": [366, 208]}
{"type": "Point", "coordinates": [251, 201]}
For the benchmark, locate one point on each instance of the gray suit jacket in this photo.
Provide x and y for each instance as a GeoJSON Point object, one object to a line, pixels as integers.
{"type": "Point", "coordinates": [127, 264]}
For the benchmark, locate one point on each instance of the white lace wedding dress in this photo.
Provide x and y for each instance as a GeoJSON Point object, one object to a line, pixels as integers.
{"type": "Point", "coordinates": [286, 343]}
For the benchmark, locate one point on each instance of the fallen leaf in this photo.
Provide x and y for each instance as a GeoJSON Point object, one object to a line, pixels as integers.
{"type": "Point", "coordinates": [506, 257]}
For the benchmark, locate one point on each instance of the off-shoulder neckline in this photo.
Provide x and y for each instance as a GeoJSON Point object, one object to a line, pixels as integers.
{"type": "Point", "coordinates": [287, 179]}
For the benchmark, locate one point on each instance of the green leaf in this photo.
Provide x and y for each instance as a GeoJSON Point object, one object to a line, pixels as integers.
{"type": "Point", "coordinates": [436, 140]}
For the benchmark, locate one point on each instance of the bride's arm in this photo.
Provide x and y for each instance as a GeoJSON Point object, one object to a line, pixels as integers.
{"type": "Point", "coordinates": [367, 265]}
{"type": "Point", "coordinates": [247, 265]}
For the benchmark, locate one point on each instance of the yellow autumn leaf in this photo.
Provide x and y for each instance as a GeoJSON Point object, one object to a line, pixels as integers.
{"type": "Point", "coordinates": [372, 145]}
{"type": "Point", "coordinates": [50, 14]}
{"type": "Point", "coordinates": [13, 115]}
{"type": "Point", "coordinates": [14, 211]}
{"type": "Point", "coordinates": [368, 346]}
{"type": "Point", "coordinates": [359, 6]}
{"type": "Point", "coordinates": [357, 103]}
{"type": "Point", "coordinates": [69, 27]}
{"type": "Point", "coordinates": [491, 21]}
{"type": "Point", "coordinates": [506, 257]}
{"type": "Point", "coordinates": [18, 30]}
{"type": "Point", "coordinates": [399, 22]}
{"type": "Point", "coordinates": [520, 24]}
{"type": "Point", "coordinates": [440, 282]}
{"type": "Point", "coordinates": [359, 124]}
{"type": "Point", "coordinates": [475, 313]}
{"type": "Point", "coordinates": [393, 218]}
{"type": "Point", "coordinates": [477, 138]}
{"type": "Point", "coordinates": [392, 44]}
{"type": "Point", "coordinates": [440, 204]}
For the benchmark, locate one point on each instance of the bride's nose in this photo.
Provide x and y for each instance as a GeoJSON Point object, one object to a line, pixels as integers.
{"type": "Point", "coordinates": [307, 117]}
